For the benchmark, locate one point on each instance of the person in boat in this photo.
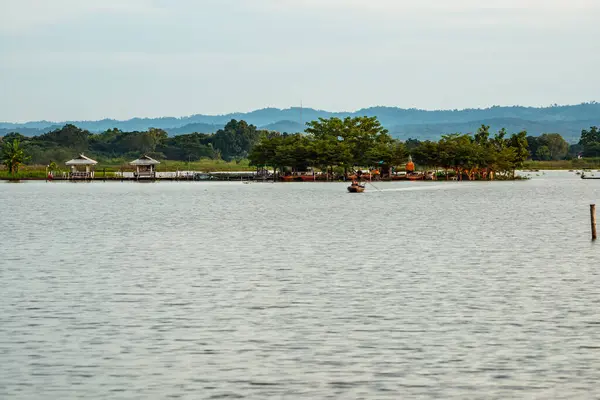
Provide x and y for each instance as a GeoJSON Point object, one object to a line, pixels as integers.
{"type": "Point", "coordinates": [356, 180]}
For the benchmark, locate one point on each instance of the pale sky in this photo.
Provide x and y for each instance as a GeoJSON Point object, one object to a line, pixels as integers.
{"type": "Point", "coordinates": [93, 59]}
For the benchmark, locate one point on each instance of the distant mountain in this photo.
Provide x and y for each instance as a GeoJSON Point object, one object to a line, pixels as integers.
{"type": "Point", "coordinates": [27, 131]}
{"type": "Point", "coordinates": [198, 127]}
{"type": "Point", "coordinates": [570, 130]}
{"type": "Point", "coordinates": [567, 120]}
{"type": "Point", "coordinates": [284, 126]}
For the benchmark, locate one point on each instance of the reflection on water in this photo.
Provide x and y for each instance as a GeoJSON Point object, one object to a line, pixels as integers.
{"type": "Point", "coordinates": [224, 290]}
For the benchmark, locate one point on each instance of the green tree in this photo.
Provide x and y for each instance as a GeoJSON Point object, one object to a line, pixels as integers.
{"type": "Point", "coordinates": [68, 136]}
{"type": "Point", "coordinates": [156, 138]}
{"type": "Point", "coordinates": [12, 136]}
{"type": "Point", "coordinates": [574, 150]}
{"type": "Point", "coordinates": [458, 152]}
{"type": "Point", "coordinates": [518, 142]}
{"type": "Point", "coordinates": [482, 135]}
{"type": "Point", "coordinates": [236, 139]}
{"type": "Point", "coordinates": [428, 154]}
{"type": "Point", "coordinates": [193, 147]}
{"type": "Point", "coordinates": [296, 151]}
{"type": "Point", "coordinates": [13, 155]}
{"type": "Point", "coordinates": [331, 144]}
{"type": "Point", "coordinates": [590, 140]}
{"type": "Point", "coordinates": [590, 137]}
{"type": "Point", "coordinates": [398, 154]}
{"type": "Point", "coordinates": [532, 145]}
{"type": "Point", "coordinates": [499, 142]}
{"type": "Point", "coordinates": [350, 141]}
{"type": "Point", "coordinates": [412, 144]}
{"type": "Point", "coordinates": [557, 145]}
{"type": "Point", "coordinates": [543, 153]}
{"type": "Point", "coordinates": [263, 154]}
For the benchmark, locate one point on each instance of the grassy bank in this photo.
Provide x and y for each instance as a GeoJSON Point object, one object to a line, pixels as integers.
{"type": "Point", "coordinates": [584, 163]}
{"type": "Point", "coordinates": [203, 165]}
{"type": "Point", "coordinates": [208, 165]}
{"type": "Point", "coordinates": [112, 166]}
{"type": "Point", "coordinates": [23, 174]}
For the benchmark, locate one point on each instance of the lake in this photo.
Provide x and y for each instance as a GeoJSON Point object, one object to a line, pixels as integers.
{"type": "Point", "coordinates": [194, 290]}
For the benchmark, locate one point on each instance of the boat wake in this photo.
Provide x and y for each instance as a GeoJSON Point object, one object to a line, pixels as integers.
{"type": "Point", "coordinates": [432, 187]}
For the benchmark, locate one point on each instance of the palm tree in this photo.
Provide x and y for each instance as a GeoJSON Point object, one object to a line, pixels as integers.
{"type": "Point", "coordinates": [13, 156]}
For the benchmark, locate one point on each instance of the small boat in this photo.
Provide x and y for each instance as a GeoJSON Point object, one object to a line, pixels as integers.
{"type": "Point", "coordinates": [356, 188]}
{"type": "Point", "coordinates": [584, 176]}
{"type": "Point", "coordinates": [415, 177]}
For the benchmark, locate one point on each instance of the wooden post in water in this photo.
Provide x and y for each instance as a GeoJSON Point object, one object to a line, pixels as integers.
{"type": "Point", "coordinates": [593, 220]}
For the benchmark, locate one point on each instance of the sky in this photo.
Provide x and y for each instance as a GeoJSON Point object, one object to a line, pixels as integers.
{"type": "Point", "coordinates": [93, 59]}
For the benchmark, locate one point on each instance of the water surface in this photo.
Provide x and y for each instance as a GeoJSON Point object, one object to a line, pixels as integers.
{"type": "Point", "coordinates": [193, 290]}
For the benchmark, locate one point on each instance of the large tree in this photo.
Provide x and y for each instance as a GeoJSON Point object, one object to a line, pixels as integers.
{"type": "Point", "coordinates": [590, 136]}
{"type": "Point", "coordinates": [590, 140]}
{"type": "Point", "coordinates": [236, 139]}
{"type": "Point", "coordinates": [68, 136]}
{"type": "Point", "coordinates": [351, 141]}
{"type": "Point", "coordinates": [192, 147]}
{"type": "Point", "coordinates": [518, 142]}
{"type": "Point", "coordinates": [549, 146]}
{"type": "Point", "coordinates": [428, 154]}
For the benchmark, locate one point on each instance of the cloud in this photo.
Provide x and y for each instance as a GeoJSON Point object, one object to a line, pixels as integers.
{"type": "Point", "coordinates": [392, 5]}
{"type": "Point", "coordinates": [435, 14]}
{"type": "Point", "coordinates": [157, 57]}
{"type": "Point", "coordinates": [19, 16]}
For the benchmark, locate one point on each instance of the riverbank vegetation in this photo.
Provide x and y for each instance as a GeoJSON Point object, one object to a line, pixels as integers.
{"type": "Point", "coordinates": [574, 164]}
{"type": "Point", "coordinates": [354, 143]}
{"type": "Point", "coordinates": [231, 143]}
{"type": "Point", "coordinates": [327, 145]}
{"type": "Point", "coordinates": [112, 166]}
{"type": "Point", "coordinates": [13, 155]}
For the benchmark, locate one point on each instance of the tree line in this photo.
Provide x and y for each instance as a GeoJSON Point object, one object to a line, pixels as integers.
{"type": "Point", "coordinates": [353, 143]}
{"type": "Point", "coordinates": [476, 156]}
{"type": "Point", "coordinates": [233, 142]}
{"type": "Point", "coordinates": [325, 144]}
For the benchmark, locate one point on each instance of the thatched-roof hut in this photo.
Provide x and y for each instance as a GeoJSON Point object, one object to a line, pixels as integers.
{"type": "Point", "coordinates": [145, 167]}
{"type": "Point", "coordinates": [82, 167]}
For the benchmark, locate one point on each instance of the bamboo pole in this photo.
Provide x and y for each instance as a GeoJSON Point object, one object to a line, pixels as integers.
{"type": "Point", "coordinates": [593, 220]}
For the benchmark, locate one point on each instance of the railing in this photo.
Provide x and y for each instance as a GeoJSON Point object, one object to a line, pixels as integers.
{"type": "Point", "coordinates": [125, 174]}
{"type": "Point", "coordinates": [144, 175]}
{"type": "Point", "coordinates": [81, 175]}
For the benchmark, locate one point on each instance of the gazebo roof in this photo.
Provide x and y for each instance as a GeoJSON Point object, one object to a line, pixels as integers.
{"type": "Point", "coordinates": [82, 160]}
{"type": "Point", "coordinates": [145, 160]}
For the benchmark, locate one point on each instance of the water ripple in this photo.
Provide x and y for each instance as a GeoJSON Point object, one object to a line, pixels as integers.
{"type": "Point", "coordinates": [231, 291]}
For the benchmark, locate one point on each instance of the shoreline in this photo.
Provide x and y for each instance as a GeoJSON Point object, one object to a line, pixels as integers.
{"type": "Point", "coordinates": [247, 176]}
{"type": "Point", "coordinates": [249, 180]}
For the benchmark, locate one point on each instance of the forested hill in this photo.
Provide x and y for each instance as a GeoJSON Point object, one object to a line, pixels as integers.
{"type": "Point", "coordinates": [402, 123]}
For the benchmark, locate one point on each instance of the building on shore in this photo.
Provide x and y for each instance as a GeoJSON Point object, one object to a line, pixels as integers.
{"type": "Point", "coordinates": [82, 167]}
{"type": "Point", "coordinates": [145, 167]}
